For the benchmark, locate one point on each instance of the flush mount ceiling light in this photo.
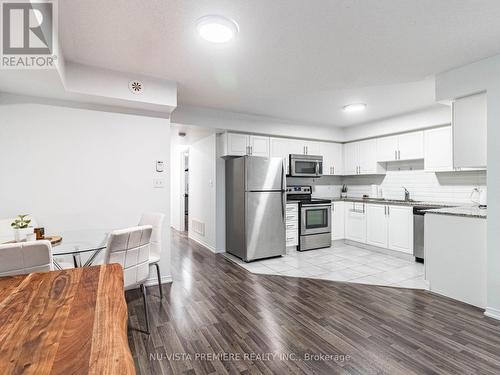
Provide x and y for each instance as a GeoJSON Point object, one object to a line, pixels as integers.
{"type": "Point", "coordinates": [356, 107]}
{"type": "Point", "coordinates": [216, 29]}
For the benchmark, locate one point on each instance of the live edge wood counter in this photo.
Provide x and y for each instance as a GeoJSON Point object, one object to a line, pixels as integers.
{"type": "Point", "coordinates": [65, 322]}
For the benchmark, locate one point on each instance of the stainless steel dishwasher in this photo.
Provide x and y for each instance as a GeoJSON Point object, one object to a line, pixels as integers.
{"type": "Point", "coordinates": [418, 231]}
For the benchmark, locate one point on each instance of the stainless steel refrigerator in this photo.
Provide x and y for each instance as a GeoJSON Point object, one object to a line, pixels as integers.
{"type": "Point", "coordinates": [255, 207]}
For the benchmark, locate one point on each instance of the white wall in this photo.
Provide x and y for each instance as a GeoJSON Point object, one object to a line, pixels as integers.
{"type": "Point", "coordinates": [446, 187]}
{"type": "Point", "coordinates": [438, 115]}
{"type": "Point", "coordinates": [82, 169]}
{"type": "Point", "coordinates": [480, 76]}
{"type": "Point", "coordinates": [202, 190]}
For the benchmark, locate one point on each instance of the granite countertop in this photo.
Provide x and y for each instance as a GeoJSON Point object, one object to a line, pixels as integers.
{"type": "Point", "coordinates": [464, 211]}
{"type": "Point", "coordinates": [394, 202]}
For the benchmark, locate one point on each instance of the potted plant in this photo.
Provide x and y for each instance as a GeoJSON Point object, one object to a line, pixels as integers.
{"type": "Point", "coordinates": [21, 227]}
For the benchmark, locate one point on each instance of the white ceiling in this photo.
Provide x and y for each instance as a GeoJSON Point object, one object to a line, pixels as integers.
{"type": "Point", "coordinates": [293, 59]}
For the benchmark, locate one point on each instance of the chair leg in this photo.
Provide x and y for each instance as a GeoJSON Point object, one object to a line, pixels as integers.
{"type": "Point", "coordinates": [143, 290]}
{"type": "Point", "coordinates": [159, 279]}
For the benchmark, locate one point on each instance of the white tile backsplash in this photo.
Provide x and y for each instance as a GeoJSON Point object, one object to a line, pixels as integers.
{"type": "Point", "coordinates": [453, 187]}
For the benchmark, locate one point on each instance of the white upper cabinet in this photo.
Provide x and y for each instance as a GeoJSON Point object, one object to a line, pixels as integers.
{"type": "Point", "coordinates": [236, 144]}
{"type": "Point", "coordinates": [438, 155]}
{"type": "Point", "coordinates": [333, 158]}
{"type": "Point", "coordinates": [361, 158]}
{"type": "Point", "coordinates": [351, 158]}
{"type": "Point", "coordinates": [469, 132]}
{"type": "Point", "coordinates": [411, 146]}
{"type": "Point", "coordinates": [283, 147]}
{"type": "Point", "coordinates": [259, 145]}
{"type": "Point", "coordinates": [367, 159]}
{"type": "Point", "coordinates": [312, 148]}
{"type": "Point", "coordinates": [408, 146]}
{"type": "Point", "coordinates": [387, 148]}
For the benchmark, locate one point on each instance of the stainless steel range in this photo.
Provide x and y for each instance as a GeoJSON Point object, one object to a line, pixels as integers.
{"type": "Point", "coordinates": [315, 218]}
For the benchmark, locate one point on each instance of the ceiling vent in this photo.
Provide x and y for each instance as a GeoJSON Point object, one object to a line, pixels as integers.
{"type": "Point", "coordinates": [136, 87]}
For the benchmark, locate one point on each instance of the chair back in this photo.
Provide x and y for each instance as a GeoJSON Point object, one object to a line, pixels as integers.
{"type": "Point", "coordinates": [130, 248]}
{"type": "Point", "coordinates": [155, 219]}
{"type": "Point", "coordinates": [25, 257]}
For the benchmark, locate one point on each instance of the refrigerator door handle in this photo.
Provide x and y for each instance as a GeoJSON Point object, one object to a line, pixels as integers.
{"type": "Point", "coordinates": [283, 193]}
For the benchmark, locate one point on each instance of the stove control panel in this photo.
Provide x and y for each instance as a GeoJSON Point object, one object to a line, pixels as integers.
{"type": "Point", "coordinates": [298, 190]}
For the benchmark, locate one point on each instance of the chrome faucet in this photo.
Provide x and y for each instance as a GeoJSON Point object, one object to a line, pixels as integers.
{"type": "Point", "coordinates": [407, 194]}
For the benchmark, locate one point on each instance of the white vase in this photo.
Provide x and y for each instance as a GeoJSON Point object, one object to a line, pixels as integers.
{"type": "Point", "coordinates": [22, 234]}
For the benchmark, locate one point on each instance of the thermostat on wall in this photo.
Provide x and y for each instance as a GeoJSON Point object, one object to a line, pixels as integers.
{"type": "Point", "coordinates": [159, 166]}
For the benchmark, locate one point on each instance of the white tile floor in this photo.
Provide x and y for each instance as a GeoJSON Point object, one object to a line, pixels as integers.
{"type": "Point", "coordinates": [343, 263]}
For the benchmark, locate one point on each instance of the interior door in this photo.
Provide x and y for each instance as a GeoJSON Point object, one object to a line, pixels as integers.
{"type": "Point", "coordinates": [376, 225]}
{"type": "Point", "coordinates": [265, 224]}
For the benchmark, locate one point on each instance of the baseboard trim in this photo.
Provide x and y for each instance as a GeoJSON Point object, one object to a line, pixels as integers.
{"type": "Point", "coordinates": [492, 313]}
{"type": "Point", "coordinates": [382, 250]}
{"type": "Point", "coordinates": [211, 248]}
{"type": "Point", "coordinates": [154, 280]}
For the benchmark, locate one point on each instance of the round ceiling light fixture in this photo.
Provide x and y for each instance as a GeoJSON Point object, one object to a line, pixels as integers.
{"type": "Point", "coordinates": [216, 29]}
{"type": "Point", "coordinates": [355, 107]}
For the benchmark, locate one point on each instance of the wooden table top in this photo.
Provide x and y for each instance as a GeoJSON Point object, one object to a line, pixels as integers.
{"type": "Point", "coordinates": [65, 322]}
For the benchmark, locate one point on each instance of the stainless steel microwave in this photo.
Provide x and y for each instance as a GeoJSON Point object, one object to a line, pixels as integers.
{"type": "Point", "coordinates": [306, 165]}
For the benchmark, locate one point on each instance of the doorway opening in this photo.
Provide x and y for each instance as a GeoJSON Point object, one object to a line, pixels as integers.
{"type": "Point", "coordinates": [185, 158]}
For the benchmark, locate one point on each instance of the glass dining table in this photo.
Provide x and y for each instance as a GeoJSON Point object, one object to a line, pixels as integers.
{"type": "Point", "coordinates": [83, 247]}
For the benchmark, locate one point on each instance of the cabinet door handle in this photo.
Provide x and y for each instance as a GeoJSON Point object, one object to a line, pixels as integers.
{"type": "Point", "coordinates": [333, 170]}
{"type": "Point", "coordinates": [388, 211]}
{"type": "Point", "coordinates": [395, 154]}
{"type": "Point", "coordinates": [399, 154]}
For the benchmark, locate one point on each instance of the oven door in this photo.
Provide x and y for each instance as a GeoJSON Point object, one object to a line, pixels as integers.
{"type": "Point", "coordinates": [315, 218]}
{"type": "Point", "coordinates": [304, 167]}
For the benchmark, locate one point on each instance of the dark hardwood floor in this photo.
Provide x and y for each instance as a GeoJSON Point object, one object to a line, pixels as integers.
{"type": "Point", "coordinates": [215, 316]}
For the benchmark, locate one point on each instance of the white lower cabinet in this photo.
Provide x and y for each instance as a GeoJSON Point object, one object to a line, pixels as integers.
{"type": "Point", "coordinates": [377, 225]}
{"type": "Point", "coordinates": [338, 219]}
{"type": "Point", "coordinates": [355, 222]}
{"type": "Point", "coordinates": [292, 224]}
{"type": "Point", "coordinates": [400, 220]}
{"type": "Point", "coordinates": [380, 225]}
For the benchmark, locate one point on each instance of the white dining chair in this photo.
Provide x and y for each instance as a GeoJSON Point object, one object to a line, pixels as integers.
{"type": "Point", "coordinates": [25, 257]}
{"type": "Point", "coordinates": [155, 219]}
{"type": "Point", "coordinates": [130, 248]}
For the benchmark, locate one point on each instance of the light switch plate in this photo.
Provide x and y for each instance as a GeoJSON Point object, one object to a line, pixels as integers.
{"type": "Point", "coordinates": [159, 183]}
